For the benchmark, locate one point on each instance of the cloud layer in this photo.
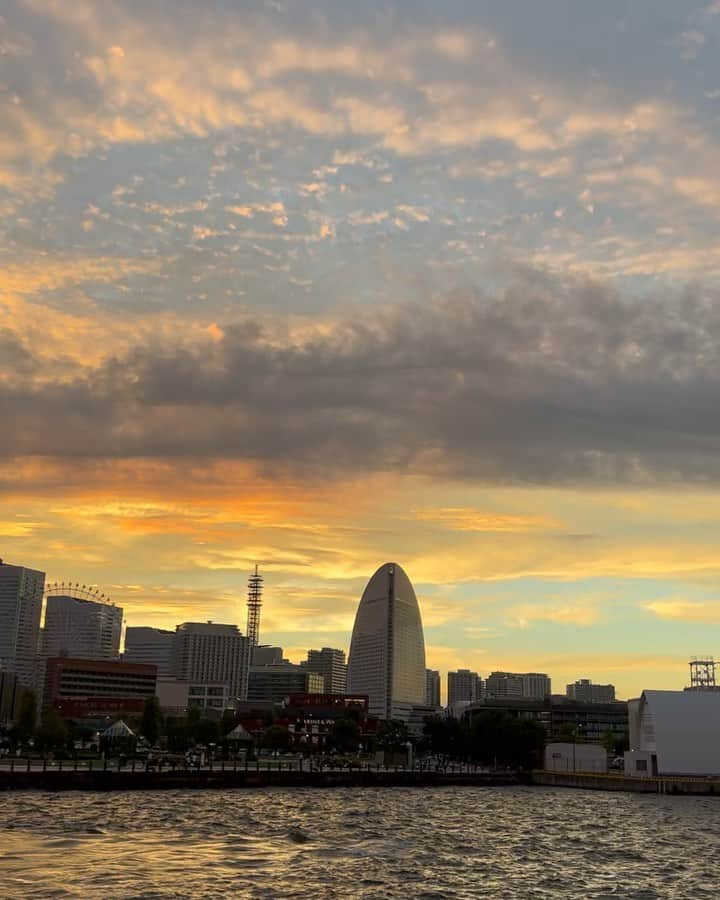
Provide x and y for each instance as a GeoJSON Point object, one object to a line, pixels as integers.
{"type": "Point", "coordinates": [543, 381]}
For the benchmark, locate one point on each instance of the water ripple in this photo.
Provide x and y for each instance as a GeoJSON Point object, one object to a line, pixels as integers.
{"type": "Point", "coordinates": [433, 844]}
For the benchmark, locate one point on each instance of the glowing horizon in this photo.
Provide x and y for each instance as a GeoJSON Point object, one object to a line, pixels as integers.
{"type": "Point", "coordinates": [316, 287]}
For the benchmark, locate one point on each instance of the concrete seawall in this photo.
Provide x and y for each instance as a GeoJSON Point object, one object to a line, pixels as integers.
{"type": "Point", "coordinates": [83, 780]}
{"type": "Point", "coordinates": [595, 782]}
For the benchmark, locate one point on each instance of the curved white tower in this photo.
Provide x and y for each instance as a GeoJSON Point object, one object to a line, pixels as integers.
{"type": "Point", "coordinates": [387, 651]}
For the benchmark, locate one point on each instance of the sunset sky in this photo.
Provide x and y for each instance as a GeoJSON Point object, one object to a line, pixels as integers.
{"type": "Point", "coordinates": [321, 285]}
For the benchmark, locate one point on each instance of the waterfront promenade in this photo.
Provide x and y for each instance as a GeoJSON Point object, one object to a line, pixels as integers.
{"type": "Point", "coordinates": [21, 774]}
{"type": "Point", "coordinates": [71, 775]}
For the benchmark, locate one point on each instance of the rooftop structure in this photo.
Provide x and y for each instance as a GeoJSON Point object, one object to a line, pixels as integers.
{"type": "Point", "coordinates": [702, 673]}
{"type": "Point", "coordinates": [387, 651]}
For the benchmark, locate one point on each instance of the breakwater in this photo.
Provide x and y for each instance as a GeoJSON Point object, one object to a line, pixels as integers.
{"type": "Point", "coordinates": [124, 780]}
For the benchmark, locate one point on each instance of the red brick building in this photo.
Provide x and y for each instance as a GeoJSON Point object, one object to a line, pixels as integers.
{"type": "Point", "coordinates": [91, 687]}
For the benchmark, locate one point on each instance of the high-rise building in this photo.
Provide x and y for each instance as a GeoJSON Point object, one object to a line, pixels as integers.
{"type": "Point", "coordinates": [81, 624]}
{"type": "Point", "coordinates": [274, 683]}
{"type": "Point", "coordinates": [503, 684]}
{"type": "Point", "coordinates": [21, 596]}
{"type": "Point", "coordinates": [432, 687]}
{"type": "Point", "coordinates": [535, 685]}
{"type": "Point", "coordinates": [585, 690]}
{"type": "Point", "coordinates": [208, 653]}
{"type": "Point", "coordinates": [265, 655]}
{"type": "Point", "coordinates": [331, 665]}
{"type": "Point", "coordinates": [387, 651]}
{"type": "Point", "coordinates": [464, 686]}
{"type": "Point", "coordinates": [530, 685]}
{"type": "Point", "coordinates": [150, 646]}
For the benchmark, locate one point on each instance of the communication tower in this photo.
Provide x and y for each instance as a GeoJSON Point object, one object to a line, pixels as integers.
{"type": "Point", "coordinates": [254, 603]}
{"type": "Point", "coordinates": [702, 673]}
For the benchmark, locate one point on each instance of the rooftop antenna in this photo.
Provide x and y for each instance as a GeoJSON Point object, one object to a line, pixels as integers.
{"type": "Point", "coordinates": [702, 673]}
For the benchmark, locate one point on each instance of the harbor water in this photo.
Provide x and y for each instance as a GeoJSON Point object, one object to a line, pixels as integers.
{"type": "Point", "coordinates": [496, 842]}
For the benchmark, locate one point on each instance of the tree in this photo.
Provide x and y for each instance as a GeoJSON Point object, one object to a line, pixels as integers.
{"type": "Point", "coordinates": [53, 732]}
{"type": "Point", "coordinates": [568, 732]}
{"type": "Point", "coordinates": [276, 737]}
{"type": "Point", "coordinates": [393, 736]}
{"type": "Point", "coordinates": [344, 736]}
{"type": "Point", "coordinates": [208, 731]}
{"type": "Point", "coordinates": [151, 722]}
{"type": "Point", "coordinates": [26, 719]}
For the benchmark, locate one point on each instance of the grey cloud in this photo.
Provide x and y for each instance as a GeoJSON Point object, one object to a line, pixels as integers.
{"type": "Point", "coordinates": [544, 381]}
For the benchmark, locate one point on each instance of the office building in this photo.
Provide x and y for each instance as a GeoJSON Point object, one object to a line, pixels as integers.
{"type": "Point", "coordinates": [535, 685]}
{"type": "Point", "coordinates": [464, 686]}
{"type": "Point", "coordinates": [150, 646]}
{"type": "Point", "coordinates": [82, 625]}
{"type": "Point", "coordinates": [531, 685]}
{"type": "Point", "coordinates": [265, 655]}
{"type": "Point", "coordinates": [80, 688]}
{"type": "Point", "coordinates": [559, 715]}
{"type": "Point", "coordinates": [176, 697]}
{"type": "Point", "coordinates": [331, 665]}
{"type": "Point", "coordinates": [585, 690]}
{"type": "Point", "coordinates": [387, 650]}
{"type": "Point", "coordinates": [274, 683]}
{"type": "Point", "coordinates": [207, 653]}
{"type": "Point", "coordinates": [432, 688]}
{"type": "Point", "coordinates": [21, 597]}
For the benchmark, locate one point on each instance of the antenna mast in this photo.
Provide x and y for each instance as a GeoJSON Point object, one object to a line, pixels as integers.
{"type": "Point", "coordinates": [254, 603]}
{"type": "Point", "coordinates": [252, 633]}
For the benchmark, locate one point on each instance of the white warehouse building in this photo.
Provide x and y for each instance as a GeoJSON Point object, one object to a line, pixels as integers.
{"type": "Point", "coordinates": [674, 733]}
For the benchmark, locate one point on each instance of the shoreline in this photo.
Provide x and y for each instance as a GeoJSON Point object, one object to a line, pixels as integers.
{"type": "Point", "coordinates": [218, 779]}
{"type": "Point", "coordinates": [83, 780]}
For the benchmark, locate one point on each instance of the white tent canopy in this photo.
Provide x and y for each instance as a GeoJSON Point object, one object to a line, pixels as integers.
{"type": "Point", "coordinates": [118, 730]}
{"type": "Point", "coordinates": [239, 733]}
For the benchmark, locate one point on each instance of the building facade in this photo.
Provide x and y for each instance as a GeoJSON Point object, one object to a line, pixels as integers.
{"type": "Point", "coordinates": [204, 652]}
{"type": "Point", "coordinates": [274, 683]}
{"type": "Point", "coordinates": [387, 650]}
{"type": "Point", "coordinates": [530, 685]}
{"type": "Point", "coordinates": [265, 655]}
{"type": "Point", "coordinates": [331, 665]}
{"type": "Point", "coordinates": [674, 733]}
{"type": "Point", "coordinates": [585, 690]}
{"type": "Point", "coordinates": [150, 646]}
{"type": "Point", "coordinates": [591, 722]}
{"type": "Point", "coordinates": [432, 688]}
{"type": "Point", "coordinates": [9, 696]}
{"type": "Point", "coordinates": [81, 627]}
{"type": "Point", "coordinates": [464, 686]}
{"type": "Point", "coordinates": [21, 598]}
{"type": "Point", "coordinates": [89, 687]}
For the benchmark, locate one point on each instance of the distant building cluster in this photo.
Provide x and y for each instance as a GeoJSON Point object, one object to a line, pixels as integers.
{"type": "Point", "coordinates": [74, 661]}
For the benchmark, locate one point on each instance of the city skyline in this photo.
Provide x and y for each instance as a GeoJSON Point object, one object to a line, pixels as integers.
{"type": "Point", "coordinates": [315, 287]}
